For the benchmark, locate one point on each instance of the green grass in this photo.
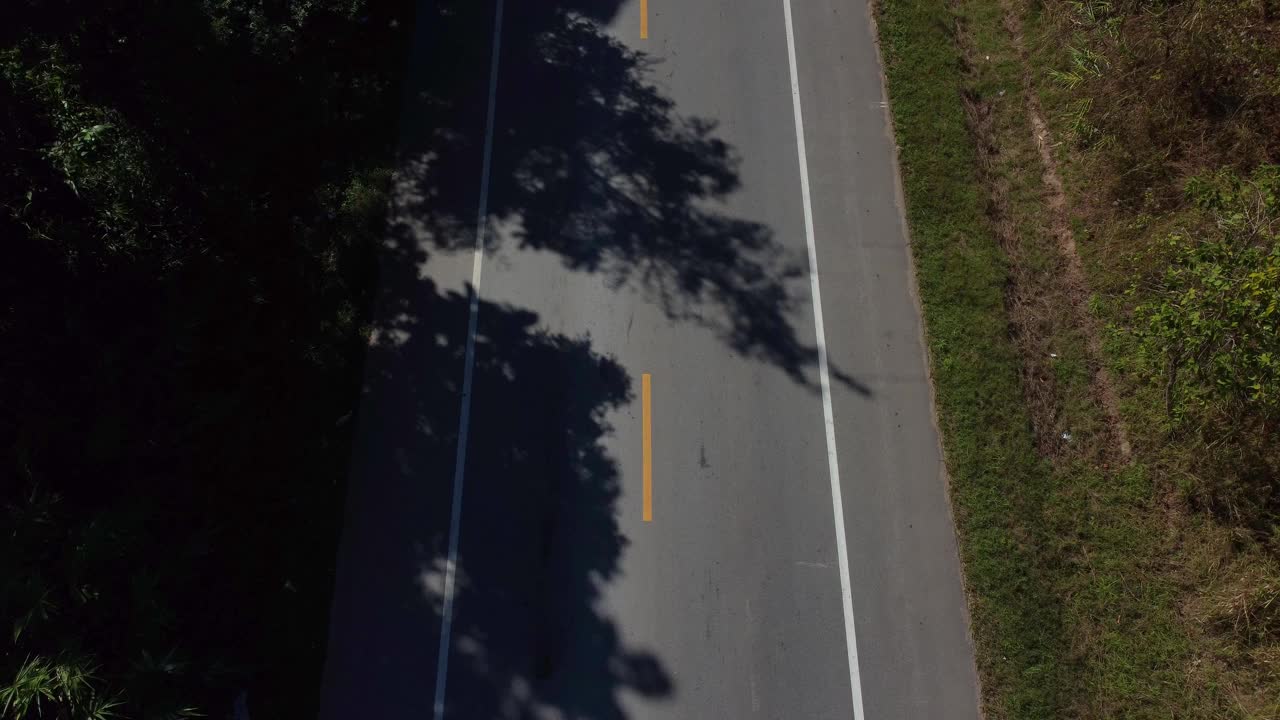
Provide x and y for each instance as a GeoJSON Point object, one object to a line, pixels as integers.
{"type": "Point", "coordinates": [999, 484]}
{"type": "Point", "coordinates": [1076, 606]}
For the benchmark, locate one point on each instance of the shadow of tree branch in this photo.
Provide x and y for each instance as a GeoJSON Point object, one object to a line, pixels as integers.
{"type": "Point", "coordinates": [593, 164]}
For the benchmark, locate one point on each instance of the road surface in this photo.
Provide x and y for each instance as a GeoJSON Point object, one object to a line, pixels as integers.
{"type": "Point", "coordinates": [576, 207]}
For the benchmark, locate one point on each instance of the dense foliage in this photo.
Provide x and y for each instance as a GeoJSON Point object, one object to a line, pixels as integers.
{"type": "Point", "coordinates": [184, 279]}
{"type": "Point", "coordinates": [1214, 317]}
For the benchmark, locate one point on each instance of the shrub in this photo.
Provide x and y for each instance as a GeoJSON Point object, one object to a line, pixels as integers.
{"type": "Point", "coordinates": [62, 688]}
{"type": "Point", "coordinates": [1211, 329]}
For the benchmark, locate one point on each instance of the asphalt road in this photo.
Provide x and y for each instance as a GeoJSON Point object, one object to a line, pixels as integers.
{"type": "Point", "coordinates": [644, 210]}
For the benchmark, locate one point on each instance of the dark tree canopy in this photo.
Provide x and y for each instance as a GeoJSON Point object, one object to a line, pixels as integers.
{"type": "Point", "coordinates": [184, 280]}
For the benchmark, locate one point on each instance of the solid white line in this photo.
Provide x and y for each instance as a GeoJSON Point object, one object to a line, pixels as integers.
{"type": "Point", "coordinates": [828, 415]}
{"type": "Point", "coordinates": [468, 373]}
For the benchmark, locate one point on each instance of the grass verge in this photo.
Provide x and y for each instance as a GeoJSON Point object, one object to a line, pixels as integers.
{"type": "Point", "coordinates": [1097, 587]}
{"type": "Point", "coordinates": [1071, 614]}
{"type": "Point", "coordinates": [999, 483]}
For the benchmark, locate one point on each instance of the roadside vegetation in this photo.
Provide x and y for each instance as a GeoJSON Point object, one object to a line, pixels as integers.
{"type": "Point", "coordinates": [1093, 196]}
{"type": "Point", "coordinates": [190, 194]}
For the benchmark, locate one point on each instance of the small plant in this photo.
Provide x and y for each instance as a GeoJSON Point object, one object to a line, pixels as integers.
{"type": "Point", "coordinates": [1091, 12]}
{"type": "Point", "coordinates": [1076, 118]}
{"type": "Point", "coordinates": [1085, 64]}
{"type": "Point", "coordinates": [1212, 329]}
{"type": "Point", "coordinates": [61, 688]}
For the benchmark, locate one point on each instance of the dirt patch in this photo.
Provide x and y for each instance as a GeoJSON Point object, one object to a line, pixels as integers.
{"type": "Point", "coordinates": [1072, 279]}
{"type": "Point", "coordinates": [1033, 308]}
{"type": "Point", "coordinates": [1042, 303]}
{"type": "Point", "coordinates": [1021, 302]}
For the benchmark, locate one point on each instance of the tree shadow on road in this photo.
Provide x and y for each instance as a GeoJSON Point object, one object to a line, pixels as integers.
{"type": "Point", "coordinates": [530, 572]}
{"type": "Point", "coordinates": [592, 163]}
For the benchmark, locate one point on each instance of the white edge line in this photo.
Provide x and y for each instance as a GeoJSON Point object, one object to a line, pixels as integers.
{"type": "Point", "coordinates": [468, 373]}
{"type": "Point", "coordinates": [828, 415]}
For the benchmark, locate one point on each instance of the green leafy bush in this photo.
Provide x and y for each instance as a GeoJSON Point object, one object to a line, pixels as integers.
{"type": "Point", "coordinates": [62, 688]}
{"type": "Point", "coordinates": [1211, 330]}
